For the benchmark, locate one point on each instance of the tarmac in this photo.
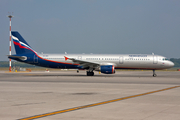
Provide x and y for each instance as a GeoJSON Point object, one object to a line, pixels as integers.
{"type": "Point", "coordinates": [67, 95]}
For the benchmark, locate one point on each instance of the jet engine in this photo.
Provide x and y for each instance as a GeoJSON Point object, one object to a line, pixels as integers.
{"type": "Point", "coordinates": [107, 69]}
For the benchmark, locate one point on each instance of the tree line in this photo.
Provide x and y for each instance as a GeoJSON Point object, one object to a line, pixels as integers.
{"type": "Point", "coordinates": [176, 61]}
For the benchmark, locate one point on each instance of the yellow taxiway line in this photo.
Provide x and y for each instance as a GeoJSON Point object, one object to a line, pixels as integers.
{"type": "Point", "coordinates": [92, 105]}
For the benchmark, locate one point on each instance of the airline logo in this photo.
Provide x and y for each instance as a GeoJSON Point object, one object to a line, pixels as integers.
{"type": "Point", "coordinates": [21, 44]}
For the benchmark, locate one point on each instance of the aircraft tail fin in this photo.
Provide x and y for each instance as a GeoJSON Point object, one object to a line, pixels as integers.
{"type": "Point", "coordinates": [21, 46]}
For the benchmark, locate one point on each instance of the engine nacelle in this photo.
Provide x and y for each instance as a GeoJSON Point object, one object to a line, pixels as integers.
{"type": "Point", "coordinates": [107, 69]}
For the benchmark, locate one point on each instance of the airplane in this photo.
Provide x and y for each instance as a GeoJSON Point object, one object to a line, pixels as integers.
{"type": "Point", "coordinates": [104, 63]}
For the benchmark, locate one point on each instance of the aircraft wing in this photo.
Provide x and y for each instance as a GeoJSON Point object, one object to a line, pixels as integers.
{"type": "Point", "coordinates": [83, 63]}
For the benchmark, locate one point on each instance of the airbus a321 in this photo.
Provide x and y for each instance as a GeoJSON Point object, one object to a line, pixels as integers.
{"type": "Point", "coordinates": [104, 63]}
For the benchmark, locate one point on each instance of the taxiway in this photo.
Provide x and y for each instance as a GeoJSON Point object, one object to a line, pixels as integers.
{"type": "Point", "coordinates": [67, 95]}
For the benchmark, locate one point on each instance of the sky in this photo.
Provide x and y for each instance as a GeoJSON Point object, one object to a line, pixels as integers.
{"type": "Point", "coordinates": [93, 26]}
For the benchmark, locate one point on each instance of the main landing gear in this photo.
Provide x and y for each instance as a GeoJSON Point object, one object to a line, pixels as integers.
{"type": "Point", "coordinates": [90, 73]}
{"type": "Point", "coordinates": [154, 74]}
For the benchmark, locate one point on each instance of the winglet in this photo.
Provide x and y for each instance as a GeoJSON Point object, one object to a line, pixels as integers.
{"type": "Point", "coordinates": [66, 58]}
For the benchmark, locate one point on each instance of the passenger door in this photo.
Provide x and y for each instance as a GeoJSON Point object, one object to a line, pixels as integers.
{"type": "Point", "coordinates": [155, 59]}
{"type": "Point", "coordinates": [35, 59]}
{"type": "Point", "coordinates": [121, 60]}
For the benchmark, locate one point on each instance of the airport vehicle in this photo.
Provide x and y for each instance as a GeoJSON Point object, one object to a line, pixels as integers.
{"type": "Point", "coordinates": [105, 63]}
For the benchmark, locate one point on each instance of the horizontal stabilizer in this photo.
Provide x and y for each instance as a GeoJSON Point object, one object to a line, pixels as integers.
{"type": "Point", "coordinates": [18, 57]}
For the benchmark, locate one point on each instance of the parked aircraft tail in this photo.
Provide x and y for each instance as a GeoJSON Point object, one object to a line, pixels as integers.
{"type": "Point", "coordinates": [21, 46]}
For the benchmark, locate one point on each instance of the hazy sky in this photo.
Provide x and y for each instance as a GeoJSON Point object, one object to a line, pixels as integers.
{"type": "Point", "coordinates": [94, 26]}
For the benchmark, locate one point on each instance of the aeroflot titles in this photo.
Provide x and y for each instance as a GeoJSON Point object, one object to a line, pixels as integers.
{"type": "Point", "coordinates": [137, 55]}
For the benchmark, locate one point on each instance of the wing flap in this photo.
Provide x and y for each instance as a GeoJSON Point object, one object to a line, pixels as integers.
{"type": "Point", "coordinates": [83, 63]}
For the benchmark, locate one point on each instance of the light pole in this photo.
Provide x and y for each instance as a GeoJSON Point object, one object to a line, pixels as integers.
{"type": "Point", "coordinates": [10, 16]}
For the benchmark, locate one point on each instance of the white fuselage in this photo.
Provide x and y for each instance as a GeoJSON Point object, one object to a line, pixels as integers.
{"type": "Point", "coordinates": [120, 61]}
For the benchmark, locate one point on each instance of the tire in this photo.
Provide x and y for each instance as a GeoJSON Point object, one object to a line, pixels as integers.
{"type": "Point", "coordinates": [90, 73]}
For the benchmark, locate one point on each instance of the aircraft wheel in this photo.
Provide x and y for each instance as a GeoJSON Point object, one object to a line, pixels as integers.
{"type": "Point", "coordinates": [90, 73]}
{"type": "Point", "coordinates": [154, 75]}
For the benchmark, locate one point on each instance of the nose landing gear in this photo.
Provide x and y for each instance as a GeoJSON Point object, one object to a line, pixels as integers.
{"type": "Point", "coordinates": [154, 73]}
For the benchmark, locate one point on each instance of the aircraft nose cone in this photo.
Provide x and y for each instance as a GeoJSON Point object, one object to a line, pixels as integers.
{"type": "Point", "coordinates": [171, 64]}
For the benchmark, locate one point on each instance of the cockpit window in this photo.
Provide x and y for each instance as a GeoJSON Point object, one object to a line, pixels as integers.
{"type": "Point", "coordinates": [164, 59]}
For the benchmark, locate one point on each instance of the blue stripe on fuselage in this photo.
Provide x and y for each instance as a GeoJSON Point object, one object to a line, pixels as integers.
{"type": "Point", "coordinates": [34, 59]}
{"type": "Point", "coordinates": [55, 64]}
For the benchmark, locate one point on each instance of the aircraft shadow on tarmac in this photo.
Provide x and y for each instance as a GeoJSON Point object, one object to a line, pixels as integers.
{"type": "Point", "coordinates": [130, 74]}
